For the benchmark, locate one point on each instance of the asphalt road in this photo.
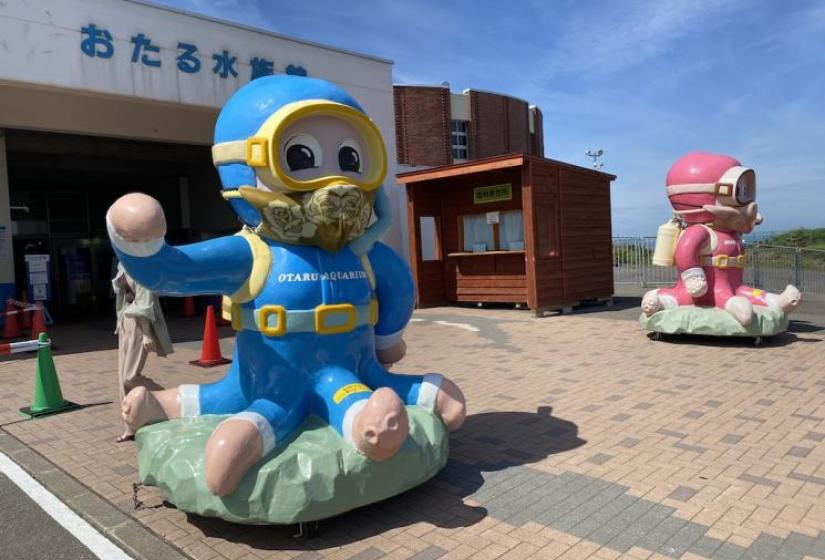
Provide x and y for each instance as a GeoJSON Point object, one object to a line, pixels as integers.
{"type": "Point", "coordinates": [29, 533]}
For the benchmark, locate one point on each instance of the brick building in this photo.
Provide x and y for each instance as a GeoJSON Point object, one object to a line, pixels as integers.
{"type": "Point", "coordinates": [434, 126]}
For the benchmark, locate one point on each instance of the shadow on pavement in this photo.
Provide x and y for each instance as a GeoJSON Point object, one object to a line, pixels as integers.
{"type": "Point", "coordinates": [804, 327]}
{"type": "Point", "coordinates": [620, 304]}
{"type": "Point", "coordinates": [782, 339]}
{"type": "Point", "coordinates": [503, 439]}
{"type": "Point", "coordinates": [80, 406]}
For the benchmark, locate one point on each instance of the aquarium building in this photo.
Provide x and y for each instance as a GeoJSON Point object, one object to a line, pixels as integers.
{"type": "Point", "coordinates": [103, 97]}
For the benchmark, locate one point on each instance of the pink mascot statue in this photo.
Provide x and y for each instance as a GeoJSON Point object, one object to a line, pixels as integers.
{"type": "Point", "coordinates": [713, 198]}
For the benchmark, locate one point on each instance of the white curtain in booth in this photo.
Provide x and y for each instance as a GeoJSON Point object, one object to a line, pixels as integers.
{"type": "Point", "coordinates": [477, 230]}
{"type": "Point", "coordinates": [511, 230]}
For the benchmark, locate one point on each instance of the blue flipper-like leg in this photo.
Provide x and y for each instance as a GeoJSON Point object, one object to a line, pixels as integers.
{"type": "Point", "coordinates": [225, 396]}
{"type": "Point", "coordinates": [420, 390]}
{"type": "Point", "coordinates": [340, 395]}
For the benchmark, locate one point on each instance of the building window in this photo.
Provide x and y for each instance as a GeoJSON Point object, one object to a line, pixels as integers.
{"type": "Point", "coordinates": [479, 235]}
{"type": "Point", "coordinates": [459, 136]}
{"type": "Point", "coordinates": [429, 240]}
{"type": "Point", "coordinates": [511, 231]}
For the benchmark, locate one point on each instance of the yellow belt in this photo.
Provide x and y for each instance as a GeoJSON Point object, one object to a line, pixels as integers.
{"type": "Point", "coordinates": [724, 261]}
{"type": "Point", "coordinates": [276, 320]}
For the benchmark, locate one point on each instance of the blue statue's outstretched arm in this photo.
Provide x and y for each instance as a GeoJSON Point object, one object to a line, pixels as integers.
{"type": "Point", "coordinates": [219, 265]}
{"type": "Point", "coordinates": [396, 295]}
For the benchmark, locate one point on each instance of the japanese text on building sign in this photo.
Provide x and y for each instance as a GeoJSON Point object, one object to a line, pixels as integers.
{"type": "Point", "coordinates": [493, 193]}
{"type": "Point", "coordinates": [98, 43]}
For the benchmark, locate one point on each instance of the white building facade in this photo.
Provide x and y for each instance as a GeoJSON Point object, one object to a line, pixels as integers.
{"type": "Point", "coordinates": [102, 97]}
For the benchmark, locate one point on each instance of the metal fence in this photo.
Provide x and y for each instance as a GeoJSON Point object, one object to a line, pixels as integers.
{"type": "Point", "coordinates": [768, 267]}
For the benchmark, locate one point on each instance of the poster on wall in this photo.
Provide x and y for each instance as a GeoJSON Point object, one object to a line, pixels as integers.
{"type": "Point", "coordinates": [37, 274]}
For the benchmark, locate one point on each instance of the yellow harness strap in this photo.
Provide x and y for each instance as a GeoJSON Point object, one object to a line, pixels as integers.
{"type": "Point", "coordinates": [719, 261]}
{"type": "Point", "coordinates": [365, 262]}
{"type": "Point", "coordinates": [261, 265]}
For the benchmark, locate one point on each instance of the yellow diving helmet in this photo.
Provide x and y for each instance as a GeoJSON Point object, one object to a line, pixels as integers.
{"type": "Point", "coordinates": [261, 151]}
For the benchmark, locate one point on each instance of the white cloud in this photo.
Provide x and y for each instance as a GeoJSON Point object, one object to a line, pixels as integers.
{"type": "Point", "coordinates": [606, 38]}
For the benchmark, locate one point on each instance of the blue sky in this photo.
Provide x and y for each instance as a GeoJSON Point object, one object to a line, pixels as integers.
{"type": "Point", "coordinates": [645, 81]}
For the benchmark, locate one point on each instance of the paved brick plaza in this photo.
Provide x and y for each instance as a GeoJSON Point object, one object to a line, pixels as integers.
{"type": "Point", "coordinates": [584, 440]}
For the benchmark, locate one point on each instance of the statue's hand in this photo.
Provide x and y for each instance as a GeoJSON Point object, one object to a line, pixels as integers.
{"type": "Point", "coordinates": [695, 281]}
{"type": "Point", "coordinates": [393, 354]}
{"type": "Point", "coordinates": [137, 217]}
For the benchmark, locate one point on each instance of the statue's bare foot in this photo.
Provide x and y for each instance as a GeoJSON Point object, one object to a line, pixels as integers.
{"type": "Point", "coordinates": [450, 405]}
{"type": "Point", "coordinates": [381, 427]}
{"type": "Point", "coordinates": [141, 407]}
{"type": "Point", "coordinates": [651, 303]}
{"type": "Point", "coordinates": [741, 309]}
{"type": "Point", "coordinates": [233, 447]}
{"type": "Point", "coordinates": [789, 299]}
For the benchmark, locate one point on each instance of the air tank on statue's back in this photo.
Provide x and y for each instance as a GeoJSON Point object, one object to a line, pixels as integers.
{"type": "Point", "coordinates": [666, 239]}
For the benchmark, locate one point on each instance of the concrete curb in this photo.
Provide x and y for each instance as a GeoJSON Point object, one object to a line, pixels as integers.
{"type": "Point", "coordinates": [122, 529]}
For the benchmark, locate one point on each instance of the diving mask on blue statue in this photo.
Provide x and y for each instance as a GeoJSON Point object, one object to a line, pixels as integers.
{"type": "Point", "coordinates": [318, 166]}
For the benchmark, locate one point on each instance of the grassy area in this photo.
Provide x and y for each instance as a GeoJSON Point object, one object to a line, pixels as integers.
{"type": "Point", "coordinates": [808, 238]}
{"type": "Point", "coordinates": [624, 255]}
{"type": "Point", "coordinates": [784, 258]}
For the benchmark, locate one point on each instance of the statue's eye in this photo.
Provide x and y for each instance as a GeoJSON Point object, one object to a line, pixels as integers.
{"type": "Point", "coordinates": [745, 192]}
{"type": "Point", "coordinates": [299, 156]}
{"type": "Point", "coordinates": [302, 151]}
{"type": "Point", "coordinates": [349, 158]}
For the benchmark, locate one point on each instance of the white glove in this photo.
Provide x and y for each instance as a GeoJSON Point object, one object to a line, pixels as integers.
{"type": "Point", "coordinates": [695, 281]}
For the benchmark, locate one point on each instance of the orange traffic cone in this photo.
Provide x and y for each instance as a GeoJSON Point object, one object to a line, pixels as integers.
{"type": "Point", "coordinates": [11, 329]}
{"type": "Point", "coordinates": [38, 324]}
{"type": "Point", "coordinates": [188, 307]}
{"type": "Point", "coordinates": [26, 316]}
{"type": "Point", "coordinates": [211, 349]}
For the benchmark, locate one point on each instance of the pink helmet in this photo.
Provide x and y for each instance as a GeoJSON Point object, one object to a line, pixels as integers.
{"type": "Point", "coordinates": [701, 178]}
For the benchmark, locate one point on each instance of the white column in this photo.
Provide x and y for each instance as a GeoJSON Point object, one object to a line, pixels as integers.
{"type": "Point", "coordinates": [6, 256]}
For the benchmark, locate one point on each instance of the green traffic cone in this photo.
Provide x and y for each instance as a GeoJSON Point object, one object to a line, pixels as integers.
{"type": "Point", "coordinates": [48, 398]}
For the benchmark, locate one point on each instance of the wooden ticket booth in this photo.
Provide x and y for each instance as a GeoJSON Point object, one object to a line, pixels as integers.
{"type": "Point", "coordinates": [510, 229]}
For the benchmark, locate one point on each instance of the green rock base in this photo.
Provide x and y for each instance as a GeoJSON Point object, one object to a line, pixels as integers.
{"type": "Point", "coordinates": [714, 322]}
{"type": "Point", "coordinates": [314, 476]}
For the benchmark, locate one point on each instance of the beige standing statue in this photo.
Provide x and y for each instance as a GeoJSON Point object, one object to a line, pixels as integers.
{"type": "Point", "coordinates": [141, 329]}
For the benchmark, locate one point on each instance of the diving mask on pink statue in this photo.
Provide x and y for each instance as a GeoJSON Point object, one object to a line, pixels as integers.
{"type": "Point", "coordinates": [714, 189]}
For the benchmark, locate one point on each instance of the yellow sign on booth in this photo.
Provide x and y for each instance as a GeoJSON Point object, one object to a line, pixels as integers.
{"type": "Point", "coordinates": [493, 193]}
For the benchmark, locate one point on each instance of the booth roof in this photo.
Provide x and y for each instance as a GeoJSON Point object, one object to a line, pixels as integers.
{"type": "Point", "coordinates": [488, 164]}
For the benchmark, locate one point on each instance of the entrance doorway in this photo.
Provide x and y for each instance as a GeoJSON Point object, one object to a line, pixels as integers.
{"type": "Point", "coordinates": [60, 187]}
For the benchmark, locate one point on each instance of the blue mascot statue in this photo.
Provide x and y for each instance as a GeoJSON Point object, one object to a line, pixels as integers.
{"type": "Point", "coordinates": [318, 303]}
